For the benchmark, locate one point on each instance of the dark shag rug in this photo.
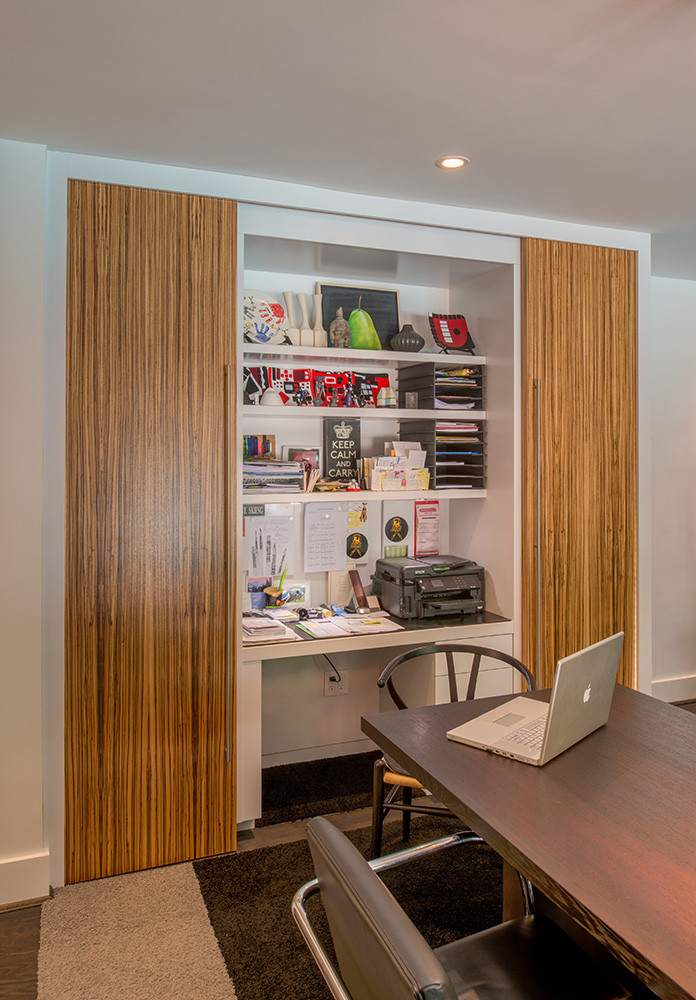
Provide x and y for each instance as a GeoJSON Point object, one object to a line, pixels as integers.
{"type": "Point", "coordinates": [316, 787]}
{"type": "Point", "coordinates": [248, 898]}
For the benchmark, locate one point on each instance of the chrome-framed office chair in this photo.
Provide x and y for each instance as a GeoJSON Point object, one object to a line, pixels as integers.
{"type": "Point", "coordinates": [382, 955]}
{"type": "Point", "coordinates": [390, 780]}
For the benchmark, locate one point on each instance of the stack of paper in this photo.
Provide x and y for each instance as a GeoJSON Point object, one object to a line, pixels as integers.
{"type": "Point", "coordinates": [458, 388]}
{"type": "Point", "coordinates": [342, 625]}
{"type": "Point", "coordinates": [282, 614]}
{"type": "Point", "coordinates": [459, 455]}
{"type": "Point", "coordinates": [367, 624]}
{"type": "Point", "coordinates": [255, 630]}
{"type": "Point", "coordinates": [265, 473]}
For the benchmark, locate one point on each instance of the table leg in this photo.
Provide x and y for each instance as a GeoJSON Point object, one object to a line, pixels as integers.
{"type": "Point", "coordinates": [513, 903]}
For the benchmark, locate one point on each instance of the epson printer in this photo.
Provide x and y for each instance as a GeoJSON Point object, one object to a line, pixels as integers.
{"type": "Point", "coordinates": [429, 586]}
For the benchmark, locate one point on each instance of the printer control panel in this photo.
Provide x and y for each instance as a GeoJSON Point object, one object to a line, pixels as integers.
{"type": "Point", "coordinates": [448, 583]}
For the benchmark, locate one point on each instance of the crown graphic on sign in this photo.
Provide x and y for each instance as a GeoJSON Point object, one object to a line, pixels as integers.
{"type": "Point", "coordinates": [343, 430]}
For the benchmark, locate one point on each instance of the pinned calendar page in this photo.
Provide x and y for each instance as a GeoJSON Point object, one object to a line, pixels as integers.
{"type": "Point", "coordinates": [324, 537]}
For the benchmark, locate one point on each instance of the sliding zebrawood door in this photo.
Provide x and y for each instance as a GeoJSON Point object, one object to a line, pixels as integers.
{"type": "Point", "coordinates": [148, 702]}
{"type": "Point", "coordinates": [579, 452]}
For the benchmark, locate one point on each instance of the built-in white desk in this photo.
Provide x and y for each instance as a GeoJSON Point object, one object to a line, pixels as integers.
{"type": "Point", "coordinates": [249, 680]}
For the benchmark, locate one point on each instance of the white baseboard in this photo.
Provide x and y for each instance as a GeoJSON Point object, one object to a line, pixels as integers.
{"type": "Point", "coordinates": [24, 878]}
{"type": "Point", "coordinates": [675, 689]}
{"type": "Point", "coordinates": [315, 753]}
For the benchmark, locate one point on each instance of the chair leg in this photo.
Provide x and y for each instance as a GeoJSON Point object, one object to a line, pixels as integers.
{"type": "Point", "coordinates": [377, 808]}
{"type": "Point", "coordinates": [406, 822]}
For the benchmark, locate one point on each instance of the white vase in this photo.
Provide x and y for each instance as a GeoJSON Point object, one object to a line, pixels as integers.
{"type": "Point", "coordinates": [293, 332]}
{"type": "Point", "coordinates": [321, 338]}
{"type": "Point", "coordinates": [306, 332]}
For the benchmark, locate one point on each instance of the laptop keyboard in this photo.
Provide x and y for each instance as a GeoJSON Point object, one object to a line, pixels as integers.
{"type": "Point", "coordinates": [531, 736]}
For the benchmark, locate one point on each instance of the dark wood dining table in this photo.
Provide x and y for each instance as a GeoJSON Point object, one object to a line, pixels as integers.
{"type": "Point", "coordinates": [607, 830]}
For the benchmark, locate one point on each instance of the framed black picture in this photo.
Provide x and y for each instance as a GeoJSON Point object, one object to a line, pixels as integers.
{"type": "Point", "coordinates": [381, 306]}
{"type": "Point", "coordinates": [341, 445]}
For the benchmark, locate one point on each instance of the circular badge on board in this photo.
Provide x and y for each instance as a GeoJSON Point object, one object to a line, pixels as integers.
{"type": "Point", "coordinates": [356, 545]}
{"type": "Point", "coordinates": [396, 529]}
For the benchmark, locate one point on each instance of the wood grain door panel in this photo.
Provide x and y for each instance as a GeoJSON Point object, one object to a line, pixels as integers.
{"type": "Point", "coordinates": [150, 328]}
{"type": "Point", "coordinates": [579, 461]}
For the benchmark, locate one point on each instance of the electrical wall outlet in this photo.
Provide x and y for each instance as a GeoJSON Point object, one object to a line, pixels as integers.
{"type": "Point", "coordinates": [332, 684]}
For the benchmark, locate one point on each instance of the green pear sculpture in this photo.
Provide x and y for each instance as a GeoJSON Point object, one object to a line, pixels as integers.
{"type": "Point", "coordinates": [362, 330]}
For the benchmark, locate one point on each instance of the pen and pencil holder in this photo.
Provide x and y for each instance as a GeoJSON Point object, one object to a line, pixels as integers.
{"type": "Point", "coordinates": [275, 597]}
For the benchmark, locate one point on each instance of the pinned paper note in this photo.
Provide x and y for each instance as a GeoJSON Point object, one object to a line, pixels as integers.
{"type": "Point", "coordinates": [270, 545]}
{"type": "Point", "coordinates": [324, 537]}
{"type": "Point", "coordinates": [427, 528]}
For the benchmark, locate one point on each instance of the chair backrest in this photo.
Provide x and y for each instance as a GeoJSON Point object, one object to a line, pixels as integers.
{"type": "Point", "coordinates": [449, 649]}
{"type": "Point", "coordinates": [381, 954]}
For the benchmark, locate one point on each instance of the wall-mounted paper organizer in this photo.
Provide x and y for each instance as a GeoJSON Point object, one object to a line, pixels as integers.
{"type": "Point", "coordinates": [442, 388]}
{"type": "Point", "coordinates": [455, 451]}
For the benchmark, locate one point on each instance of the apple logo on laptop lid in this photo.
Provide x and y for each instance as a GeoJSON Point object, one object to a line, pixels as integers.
{"type": "Point", "coordinates": [588, 692]}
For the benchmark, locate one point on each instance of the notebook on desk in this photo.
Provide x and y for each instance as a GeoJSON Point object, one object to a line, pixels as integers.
{"type": "Point", "coordinates": [534, 732]}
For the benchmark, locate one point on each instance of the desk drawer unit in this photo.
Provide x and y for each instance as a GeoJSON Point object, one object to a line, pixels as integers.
{"type": "Point", "coordinates": [494, 677]}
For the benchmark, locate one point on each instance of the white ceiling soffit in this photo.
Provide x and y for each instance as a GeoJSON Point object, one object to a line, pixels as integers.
{"type": "Point", "coordinates": [579, 110]}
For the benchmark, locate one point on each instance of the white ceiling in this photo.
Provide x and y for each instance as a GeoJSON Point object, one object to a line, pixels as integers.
{"type": "Point", "coordinates": [571, 109]}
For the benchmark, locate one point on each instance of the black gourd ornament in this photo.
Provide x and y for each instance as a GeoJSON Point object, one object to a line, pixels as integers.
{"type": "Point", "coordinates": [407, 340]}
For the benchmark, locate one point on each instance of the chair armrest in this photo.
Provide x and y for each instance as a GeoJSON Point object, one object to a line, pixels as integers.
{"type": "Point", "coordinates": [309, 889]}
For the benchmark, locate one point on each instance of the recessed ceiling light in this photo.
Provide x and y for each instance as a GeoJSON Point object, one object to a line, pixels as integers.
{"type": "Point", "coordinates": [452, 162]}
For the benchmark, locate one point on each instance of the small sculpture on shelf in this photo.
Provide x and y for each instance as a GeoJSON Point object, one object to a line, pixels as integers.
{"type": "Point", "coordinates": [272, 397]}
{"type": "Point", "coordinates": [320, 336]}
{"type": "Point", "coordinates": [306, 332]}
{"type": "Point", "coordinates": [386, 397]}
{"type": "Point", "coordinates": [339, 330]}
{"type": "Point", "coordinates": [293, 331]}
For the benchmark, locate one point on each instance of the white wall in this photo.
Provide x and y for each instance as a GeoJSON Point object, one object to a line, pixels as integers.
{"type": "Point", "coordinates": [673, 381]}
{"type": "Point", "coordinates": [23, 859]}
{"type": "Point", "coordinates": [24, 233]}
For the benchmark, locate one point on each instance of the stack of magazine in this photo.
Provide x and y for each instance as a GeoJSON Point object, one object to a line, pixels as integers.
{"type": "Point", "coordinates": [458, 388]}
{"type": "Point", "coordinates": [272, 474]}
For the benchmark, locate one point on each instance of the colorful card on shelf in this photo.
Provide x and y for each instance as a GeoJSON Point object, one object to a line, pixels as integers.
{"type": "Point", "coordinates": [265, 321]}
{"type": "Point", "coordinates": [297, 592]}
{"type": "Point", "coordinates": [299, 453]}
{"type": "Point", "coordinates": [255, 589]}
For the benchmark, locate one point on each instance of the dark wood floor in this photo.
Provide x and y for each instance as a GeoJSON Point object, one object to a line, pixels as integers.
{"type": "Point", "coordinates": [19, 929]}
{"type": "Point", "coordinates": [19, 953]}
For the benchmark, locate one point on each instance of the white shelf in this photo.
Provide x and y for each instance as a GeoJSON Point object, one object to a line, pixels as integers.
{"type": "Point", "coordinates": [273, 355]}
{"type": "Point", "coordinates": [352, 496]}
{"type": "Point", "coordinates": [365, 412]}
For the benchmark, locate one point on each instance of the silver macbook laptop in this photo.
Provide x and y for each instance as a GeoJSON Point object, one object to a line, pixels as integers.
{"type": "Point", "coordinates": [535, 732]}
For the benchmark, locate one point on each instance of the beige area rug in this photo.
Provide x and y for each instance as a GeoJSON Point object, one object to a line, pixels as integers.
{"type": "Point", "coordinates": [144, 936]}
